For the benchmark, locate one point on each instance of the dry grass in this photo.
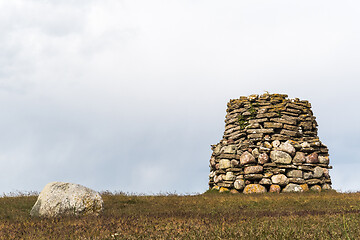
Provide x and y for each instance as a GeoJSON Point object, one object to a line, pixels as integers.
{"type": "Point", "coordinates": [328, 215]}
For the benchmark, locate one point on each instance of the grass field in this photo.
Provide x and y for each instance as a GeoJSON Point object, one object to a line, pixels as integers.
{"type": "Point", "coordinates": [327, 215]}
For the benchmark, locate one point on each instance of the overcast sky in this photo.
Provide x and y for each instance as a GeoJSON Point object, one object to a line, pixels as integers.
{"type": "Point", "coordinates": [129, 95]}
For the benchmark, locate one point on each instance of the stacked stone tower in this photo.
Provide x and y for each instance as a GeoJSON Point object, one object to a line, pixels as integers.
{"type": "Point", "coordinates": [270, 144]}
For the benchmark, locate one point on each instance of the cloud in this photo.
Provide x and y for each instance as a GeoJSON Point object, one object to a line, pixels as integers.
{"type": "Point", "coordinates": [128, 95]}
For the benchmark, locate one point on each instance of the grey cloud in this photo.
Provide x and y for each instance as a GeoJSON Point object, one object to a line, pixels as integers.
{"type": "Point", "coordinates": [129, 95]}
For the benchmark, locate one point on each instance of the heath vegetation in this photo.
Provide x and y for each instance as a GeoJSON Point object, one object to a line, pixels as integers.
{"type": "Point", "coordinates": [309, 215]}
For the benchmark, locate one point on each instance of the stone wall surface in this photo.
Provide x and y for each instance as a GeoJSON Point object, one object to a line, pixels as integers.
{"type": "Point", "coordinates": [270, 143]}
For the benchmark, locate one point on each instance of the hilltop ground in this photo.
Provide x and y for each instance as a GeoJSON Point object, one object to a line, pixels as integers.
{"type": "Point", "coordinates": [327, 215]}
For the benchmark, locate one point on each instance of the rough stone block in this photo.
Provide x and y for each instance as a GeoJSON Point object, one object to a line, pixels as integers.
{"type": "Point", "coordinates": [253, 169]}
{"type": "Point", "coordinates": [255, 136]}
{"type": "Point", "coordinates": [254, 188]}
{"type": "Point", "coordinates": [313, 181]}
{"type": "Point", "coordinates": [239, 184]}
{"type": "Point", "coordinates": [296, 180]}
{"type": "Point", "coordinates": [312, 158]}
{"type": "Point", "coordinates": [288, 148]}
{"type": "Point", "coordinates": [291, 187]}
{"type": "Point", "coordinates": [289, 133]}
{"type": "Point", "coordinates": [224, 163]}
{"type": "Point", "coordinates": [272, 125]}
{"type": "Point", "coordinates": [247, 158]}
{"type": "Point", "coordinates": [281, 120]}
{"type": "Point", "coordinates": [262, 130]}
{"type": "Point", "coordinates": [299, 157]}
{"type": "Point", "coordinates": [265, 181]}
{"type": "Point", "coordinates": [280, 157]}
{"type": "Point", "coordinates": [280, 179]}
{"type": "Point", "coordinates": [295, 174]}
{"type": "Point", "coordinates": [253, 176]}
{"type": "Point", "coordinates": [275, 188]}
{"type": "Point", "coordinates": [316, 188]}
{"type": "Point", "coordinates": [263, 158]}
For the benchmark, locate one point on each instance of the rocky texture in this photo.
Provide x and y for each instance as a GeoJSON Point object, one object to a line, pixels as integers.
{"type": "Point", "coordinates": [263, 158]}
{"type": "Point", "coordinates": [288, 148]}
{"type": "Point", "coordinates": [247, 158]}
{"type": "Point", "coordinates": [280, 157]}
{"type": "Point", "coordinates": [239, 184]}
{"type": "Point", "coordinates": [280, 179]}
{"type": "Point", "coordinates": [275, 188]}
{"type": "Point", "coordinates": [270, 143]}
{"type": "Point", "coordinates": [316, 188]}
{"type": "Point", "coordinates": [295, 173]}
{"type": "Point", "coordinates": [234, 191]}
{"type": "Point", "coordinates": [299, 157]}
{"type": "Point", "coordinates": [305, 187]}
{"type": "Point", "coordinates": [223, 189]}
{"type": "Point", "coordinates": [253, 169]}
{"type": "Point", "coordinates": [254, 188]}
{"type": "Point", "coordinates": [58, 198]}
{"type": "Point", "coordinates": [291, 187]}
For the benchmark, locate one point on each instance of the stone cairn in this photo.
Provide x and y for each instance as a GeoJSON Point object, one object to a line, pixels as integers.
{"type": "Point", "coordinates": [270, 144]}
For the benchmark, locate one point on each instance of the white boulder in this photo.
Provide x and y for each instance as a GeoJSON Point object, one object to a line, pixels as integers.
{"type": "Point", "coordinates": [59, 198]}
